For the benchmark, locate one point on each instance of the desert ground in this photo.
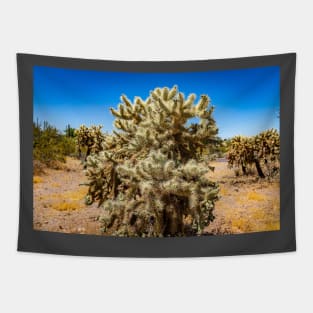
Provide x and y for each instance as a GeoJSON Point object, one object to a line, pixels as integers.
{"type": "Point", "coordinates": [246, 204]}
{"type": "Point", "coordinates": [59, 204]}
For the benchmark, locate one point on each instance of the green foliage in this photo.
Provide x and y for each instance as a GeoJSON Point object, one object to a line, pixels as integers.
{"type": "Point", "coordinates": [49, 145]}
{"type": "Point", "coordinates": [262, 150]}
{"type": "Point", "coordinates": [150, 176]}
{"type": "Point", "coordinates": [223, 147]}
{"type": "Point", "coordinates": [217, 149]}
{"type": "Point", "coordinates": [69, 131]}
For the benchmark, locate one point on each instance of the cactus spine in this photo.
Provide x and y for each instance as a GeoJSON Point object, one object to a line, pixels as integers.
{"type": "Point", "coordinates": [150, 176]}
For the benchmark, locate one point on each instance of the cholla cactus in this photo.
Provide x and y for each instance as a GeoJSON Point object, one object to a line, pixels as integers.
{"type": "Point", "coordinates": [267, 150]}
{"type": "Point", "coordinates": [260, 150]}
{"type": "Point", "coordinates": [151, 178]}
{"type": "Point", "coordinates": [240, 154]}
{"type": "Point", "coordinates": [90, 138]}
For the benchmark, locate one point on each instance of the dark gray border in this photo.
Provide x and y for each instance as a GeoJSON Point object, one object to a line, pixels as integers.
{"type": "Point", "coordinates": [90, 245]}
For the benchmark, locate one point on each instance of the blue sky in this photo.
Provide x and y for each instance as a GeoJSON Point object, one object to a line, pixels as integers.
{"type": "Point", "coordinates": [246, 101]}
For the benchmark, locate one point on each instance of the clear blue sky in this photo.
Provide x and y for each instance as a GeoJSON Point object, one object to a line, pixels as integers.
{"type": "Point", "coordinates": [246, 101]}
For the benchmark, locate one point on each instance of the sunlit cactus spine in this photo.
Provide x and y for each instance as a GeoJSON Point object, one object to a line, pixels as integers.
{"type": "Point", "coordinates": [151, 178]}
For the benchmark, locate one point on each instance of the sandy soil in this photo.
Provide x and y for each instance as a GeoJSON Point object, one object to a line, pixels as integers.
{"type": "Point", "coordinates": [246, 204]}
{"type": "Point", "coordinates": [59, 201]}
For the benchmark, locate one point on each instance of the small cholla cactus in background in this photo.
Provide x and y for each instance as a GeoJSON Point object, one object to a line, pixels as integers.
{"type": "Point", "coordinates": [262, 150]}
{"type": "Point", "coordinates": [267, 150]}
{"type": "Point", "coordinates": [89, 138]}
{"type": "Point", "coordinates": [151, 178]}
{"type": "Point", "coordinates": [239, 154]}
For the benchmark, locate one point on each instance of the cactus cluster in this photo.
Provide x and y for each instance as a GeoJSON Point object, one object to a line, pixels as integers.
{"type": "Point", "coordinates": [89, 138]}
{"type": "Point", "coordinates": [150, 176]}
{"type": "Point", "coordinates": [261, 151]}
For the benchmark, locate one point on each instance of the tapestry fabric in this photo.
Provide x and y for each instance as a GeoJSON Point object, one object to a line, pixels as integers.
{"type": "Point", "coordinates": [156, 159]}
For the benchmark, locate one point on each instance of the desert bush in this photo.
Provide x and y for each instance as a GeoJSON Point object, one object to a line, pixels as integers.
{"type": "Point", "coordinates": [47, 145]}
{"type": "Point", "coordinates": [219, 150]}
{"type": "Point", "coordinates": [151, 176]}
{"type": "Point", "coordinates": [69, 131]}
{"type": "Point", "coordinates": [50, 146]}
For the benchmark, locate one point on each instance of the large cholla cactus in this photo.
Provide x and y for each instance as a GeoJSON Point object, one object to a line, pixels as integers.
{"type": "Point", "coordinates": [89, 138]}
{"type": "Point", "coordinates": [150, 176]}
{"type": "Point", "coordinates": [260, 150]}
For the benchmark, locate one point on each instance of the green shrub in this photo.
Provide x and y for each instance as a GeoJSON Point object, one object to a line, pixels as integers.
{"type": "Point", "coordinates": [49, 145]}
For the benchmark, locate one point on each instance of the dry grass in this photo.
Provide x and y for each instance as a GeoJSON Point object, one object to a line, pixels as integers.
{"type": "Point", "coordinates": [66, 205]}
{"type": "Point", "coordinates": [257, 220]}
{"type": "Point", "coordinates": [245, 217]}
{"type": "Point", "coordinates": [37, 179]}
{"type": "Point", "coordinates": [223, 191]}
{"type": "Point", "coordinates": [252, 195]}
{"type": "Point", "coordinates": [240, 225]}
{"type": "Point", "coordinates": [67, 201]}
